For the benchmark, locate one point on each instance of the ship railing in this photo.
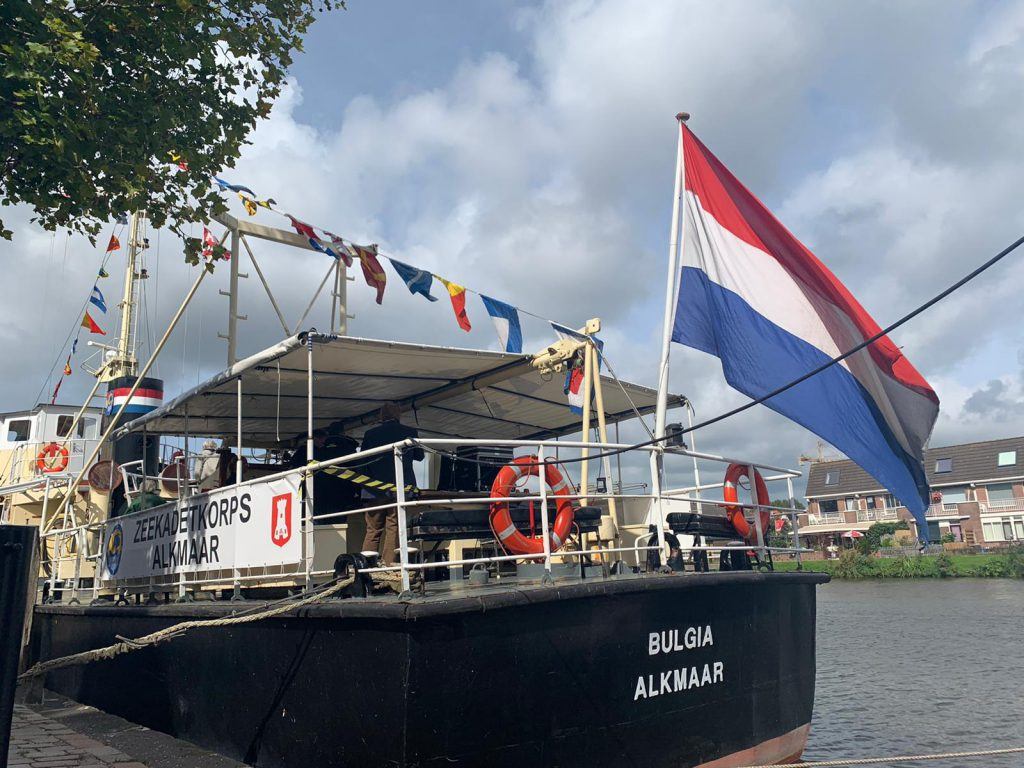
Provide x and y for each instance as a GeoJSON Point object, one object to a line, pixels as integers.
{"type": "Point", "coordinates": [658, 504]}
{"type": "Point", "coordinates": [23, 463]}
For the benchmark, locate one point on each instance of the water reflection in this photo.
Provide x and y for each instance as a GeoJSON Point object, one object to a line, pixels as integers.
{"type": "Point", "coordinates": [919, 666]}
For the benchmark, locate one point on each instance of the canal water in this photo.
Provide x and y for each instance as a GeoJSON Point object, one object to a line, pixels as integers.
{"type": "Point", "coordinates": [908, 667]}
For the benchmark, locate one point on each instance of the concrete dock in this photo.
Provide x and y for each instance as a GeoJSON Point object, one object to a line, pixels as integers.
{"type": "Point", "coordinates": [60, 733]}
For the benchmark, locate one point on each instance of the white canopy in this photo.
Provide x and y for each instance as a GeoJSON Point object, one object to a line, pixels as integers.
{"type": "Point", "coordinates": [445, 392]}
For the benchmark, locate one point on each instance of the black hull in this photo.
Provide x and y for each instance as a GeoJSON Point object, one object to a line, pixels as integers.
{"type": "Point", "coordinates": [539, 676]}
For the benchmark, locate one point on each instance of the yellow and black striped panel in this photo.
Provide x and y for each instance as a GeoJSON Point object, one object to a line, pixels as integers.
{"type": "Point", "coordinates": [359, 479]}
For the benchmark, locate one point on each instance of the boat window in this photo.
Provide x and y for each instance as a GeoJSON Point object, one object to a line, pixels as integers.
{"type": "Point", "coordinates": [828, 505]}
{"type": "Point", "coordinates": [86, 428]}
{"type": "Point", "coordinates": [18, 430]}
{"type": "Point", "coordinates": [832, 477]}
{"type": "Point", "coordinates": [943, 465]}
{"type": "Point", "coordinates": [64, 425]}
{"type": "Point", "coordinates": [1007, 458]}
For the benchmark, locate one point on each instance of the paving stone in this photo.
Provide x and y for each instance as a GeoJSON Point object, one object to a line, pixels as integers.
{"type": "Point", "coordinates": [60, 733]}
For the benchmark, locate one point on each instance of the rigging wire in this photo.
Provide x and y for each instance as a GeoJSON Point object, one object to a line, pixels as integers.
{"type": "Point", "coordinates": [74, 329]}
{"type": "Point", "coordinates": [814, 372]}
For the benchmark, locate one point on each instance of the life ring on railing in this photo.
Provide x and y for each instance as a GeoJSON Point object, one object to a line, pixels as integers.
{"type": "Point", "coordinates": [731, 496]}
{"type": "Point", "coordinates": [501, 519]}
{"type": "Point", "coordinates": [53, 458]}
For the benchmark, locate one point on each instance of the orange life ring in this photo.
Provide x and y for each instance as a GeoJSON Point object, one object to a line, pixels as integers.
{"type": "Point", "coordinates": [53, 458]}
{"type": "Point", "coordinates": [501, 520]}
{"type": "Point", "coordinates": [731, 496]}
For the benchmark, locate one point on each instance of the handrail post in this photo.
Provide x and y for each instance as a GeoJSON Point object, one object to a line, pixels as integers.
{"type": "Point", "coordinates": [542, 474]}
{"type": "Point", "coordinates": [46, 505]}
{"type": "Point", "coordinates": [751, 469]}
{"type": "Point", "coordinates": [656, 461]}
{"type": "Point", "coordinates": [101, 540]}
{"type": "Point", "coordinates": [403, 533]}
{"type": "Point", "coordinates": [54, 565]}
{"type": "Point", "coordinates": [79, 543]}
{"type": "Point", "coordinates": [793, 521]}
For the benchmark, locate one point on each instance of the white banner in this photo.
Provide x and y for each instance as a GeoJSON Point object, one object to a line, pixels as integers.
{"type": "Point", "coordinates": [246, 526]}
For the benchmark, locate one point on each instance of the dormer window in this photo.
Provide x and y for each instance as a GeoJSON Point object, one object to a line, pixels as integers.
{"type": "Point", "coordinates": [832, 477]}
{"type": "Point", "coordinates": [943, 466]}
{"type": "Point", "coordinates": [1007, 458]}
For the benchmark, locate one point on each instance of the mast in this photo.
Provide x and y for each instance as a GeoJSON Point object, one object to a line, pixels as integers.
{"type": "Point", "coordinates": [122, 360]}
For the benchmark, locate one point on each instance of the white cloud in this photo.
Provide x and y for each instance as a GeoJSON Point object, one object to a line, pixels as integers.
{"type": "Point", "coordinates": [883, 134]}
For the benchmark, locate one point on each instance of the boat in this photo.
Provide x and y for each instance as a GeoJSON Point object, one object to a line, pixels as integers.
{"type": "Point", "coordinates": [596, 618]}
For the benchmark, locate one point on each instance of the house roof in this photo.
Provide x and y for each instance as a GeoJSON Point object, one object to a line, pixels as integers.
{"type": "Point", "coordinates": [971, 463]}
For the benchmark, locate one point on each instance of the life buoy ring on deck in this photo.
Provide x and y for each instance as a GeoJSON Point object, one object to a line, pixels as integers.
{"type": "Point", "coordinates": [731, 496]}
{"type": "Point", "coordinates": [501, 519]}
{"type": "Point", "coordinates": [53, 458]}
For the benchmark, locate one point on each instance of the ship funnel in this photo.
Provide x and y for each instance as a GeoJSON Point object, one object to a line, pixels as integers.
{"type": "Point", "coordinates": [147, 397]}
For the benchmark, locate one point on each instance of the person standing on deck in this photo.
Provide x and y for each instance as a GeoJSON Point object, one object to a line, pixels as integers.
{"type": "Point", "coordinates": [382, 467]}
{"type": "Point", "coordinates": [207, 465]}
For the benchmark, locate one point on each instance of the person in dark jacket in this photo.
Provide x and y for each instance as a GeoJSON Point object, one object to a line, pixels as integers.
{"type": "Point", "coordinates": [385, 522]}
{"type": "Point", "coordinates": [330, 493]}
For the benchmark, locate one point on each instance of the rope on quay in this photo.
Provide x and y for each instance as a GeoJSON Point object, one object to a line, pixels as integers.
{"type": "Point", "coordinates": [125, 645]}
{"type": "Point", "coordinates": [901, 758]}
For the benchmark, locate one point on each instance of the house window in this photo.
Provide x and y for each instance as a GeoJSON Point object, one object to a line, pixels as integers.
{"type": "Point", "coordinates": [832, 477]}
{"type": "Point", "coordinates": [851, 503]}
{"type": "Point", "coordinates": [992, 530]}
{"type": "Point", "coordinates": [828, 505]}
{"type": "Point", "coordinates": [943, 466]}
{"type": "Point", "coordinates": [18, 430]}
{"type": "Point", "coordinates": [1007, 458]}
{"type": "Point", "coordinates": [872, 502]}
{"type": "Point", "coordinates": [890, 501]}
{"type": "Point", "coordinates": [64, 425]}
{"type": "Point", "coordinates": [1000, 494]}
{"type": "Point", "coordinates": [954, 495]}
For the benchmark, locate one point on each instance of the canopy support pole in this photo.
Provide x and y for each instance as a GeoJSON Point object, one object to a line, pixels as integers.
{"type": "Point", "coordinates": [233, 316]}
{"type": "Point", "coordinates": [266, 286]}
{"type": "Point", "coordinates": [588, 383]}
{"type": "Point", "coordinates": [316, 296]}
{"type": "Point", "coordinates": [307, 518]}
{"type": "Point", "coordinates": [602, 426]}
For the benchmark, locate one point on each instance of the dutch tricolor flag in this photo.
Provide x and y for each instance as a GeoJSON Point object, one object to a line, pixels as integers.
{"type": "Point", "coordinates": [754, 296]}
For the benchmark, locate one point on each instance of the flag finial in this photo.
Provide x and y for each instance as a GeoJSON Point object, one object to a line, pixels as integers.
{"type": "Point", "coordinates": [682, 117]}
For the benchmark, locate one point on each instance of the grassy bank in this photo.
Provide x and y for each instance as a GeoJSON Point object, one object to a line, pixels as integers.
{"type": "Point", "coordinates": [853, 565]}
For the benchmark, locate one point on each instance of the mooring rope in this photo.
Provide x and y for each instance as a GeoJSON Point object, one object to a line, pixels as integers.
{"type": "Point", "coordinates": [125, 645]}
{"type": "Point", "coordinates": [901, 758]}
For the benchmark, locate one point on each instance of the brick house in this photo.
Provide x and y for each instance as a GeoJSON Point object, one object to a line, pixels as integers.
{"type": "Point", "coordinates": [977, 493]}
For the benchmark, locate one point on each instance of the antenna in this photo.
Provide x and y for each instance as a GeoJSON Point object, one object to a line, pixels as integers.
{"type": "Point", "coordinates": [821, 456]}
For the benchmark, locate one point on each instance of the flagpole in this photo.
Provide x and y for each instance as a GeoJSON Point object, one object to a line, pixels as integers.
{"type": "Point", "coordinates": [658, 454]}
{"type": "Point", "coordinates": [670, 285]}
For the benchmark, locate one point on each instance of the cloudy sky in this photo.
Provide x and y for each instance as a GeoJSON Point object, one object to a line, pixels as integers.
{"type": "Point", "coordinates": [527, 149]}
